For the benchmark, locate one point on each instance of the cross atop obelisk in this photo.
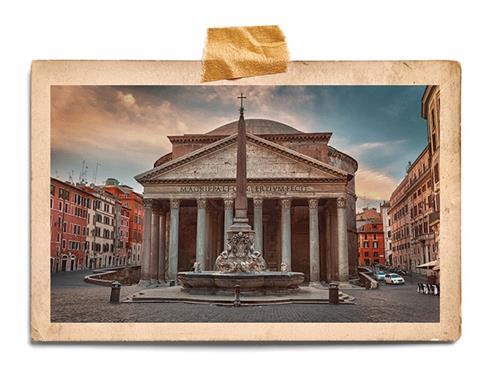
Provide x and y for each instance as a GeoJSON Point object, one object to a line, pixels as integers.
{"type": "Point", "coordinates": [241, 97]}
{"type": "Point", "coordinates": [241, 186]}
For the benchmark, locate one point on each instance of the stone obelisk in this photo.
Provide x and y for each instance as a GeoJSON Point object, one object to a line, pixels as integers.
{"type": "Point", "coordinates": [240, 220]}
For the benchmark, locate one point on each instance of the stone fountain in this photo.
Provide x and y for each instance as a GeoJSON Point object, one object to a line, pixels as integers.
{"type": "Point", "coordinates": [240, 265]}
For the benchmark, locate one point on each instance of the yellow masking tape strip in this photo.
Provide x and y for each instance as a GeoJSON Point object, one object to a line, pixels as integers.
{"type": "Point", "coordinates": [237, 52]}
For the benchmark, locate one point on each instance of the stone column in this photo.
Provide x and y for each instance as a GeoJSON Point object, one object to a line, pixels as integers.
{"type": "Point", "coordinates": [201, 217]}
{"type": "Point", "coordinates": [154, 244]}
{"type": "Point", "coordinates": [329, 247]}
{"type": "Point", "coordinates": [147, 235]}
{"type": "Point", "coordinates": [258, 223]}
{"type": "Point", "coordinates": [161, 245]}
{"type": "Point", "coordinates": [286, 234]}
{"type": "Point", "coordinates": [342, 239]}
{"type": "Point", "coordinates": [314, 241]}
{"type": "Point", "coordinates": [173, 240]}
{"type": "Point", "coordinates": [228, 203]}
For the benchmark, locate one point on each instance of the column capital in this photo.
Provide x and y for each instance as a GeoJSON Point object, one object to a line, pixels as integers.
{"type": "Point", "coordinates": [148, 203]}
{"type": "Point", "coordinates": [174, 203]}
{"type": "Point", "coordinates": [286, 202]}
{"type": "Point", "coordinates": [157, 207]}
{"type": "Point", "coordinates": [201, 203]}
{"type": "Point", "coordinates": [341, 202]}
{"type": "Point", "coordinates": [313, 203]}
{"type": "Point", "coordinates": [258, 202]}
{"type": "Point", "coordinates": [228, 203]}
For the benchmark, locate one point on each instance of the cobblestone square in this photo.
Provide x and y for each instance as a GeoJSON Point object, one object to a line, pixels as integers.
{"type": "Point", "coordinates": [73, 300]}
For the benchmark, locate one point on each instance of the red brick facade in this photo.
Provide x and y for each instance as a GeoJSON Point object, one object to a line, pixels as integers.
{"type": "Point", "coordinates": [134, 203]}
{"type": "Point", "coordinates": [68, 218]}
{"type": "Point", "coordinates": [371, 244]}
{"type": "Point", "coordinates": [371, 237]}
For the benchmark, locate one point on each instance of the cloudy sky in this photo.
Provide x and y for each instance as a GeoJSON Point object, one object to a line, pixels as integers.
{"type": "Point", "coordinates": [124, 128]}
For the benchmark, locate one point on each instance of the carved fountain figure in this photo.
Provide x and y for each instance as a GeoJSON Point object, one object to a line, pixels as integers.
{"type": "Point", "coordinates": [240, 255]}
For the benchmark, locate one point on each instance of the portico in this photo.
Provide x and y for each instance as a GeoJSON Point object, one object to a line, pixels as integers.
{"type": "Point", "coordinates": [300, 203]}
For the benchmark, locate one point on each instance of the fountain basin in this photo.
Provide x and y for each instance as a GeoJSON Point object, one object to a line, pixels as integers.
{"type": "Point", "coordinates": [250, 283]}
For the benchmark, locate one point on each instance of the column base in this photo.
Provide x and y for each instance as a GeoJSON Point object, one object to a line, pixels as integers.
{"type": "Point", "coordinates": [144, 283]}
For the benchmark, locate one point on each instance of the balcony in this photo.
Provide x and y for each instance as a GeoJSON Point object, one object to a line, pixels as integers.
{"type": "Point", "coordinates": [434, 217]}
{"type": "Point", "coordinates": [422, 237]}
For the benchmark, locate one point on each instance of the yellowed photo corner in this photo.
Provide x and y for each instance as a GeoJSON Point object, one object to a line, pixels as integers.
{"type": "Point", "coordinates": [446, 74]}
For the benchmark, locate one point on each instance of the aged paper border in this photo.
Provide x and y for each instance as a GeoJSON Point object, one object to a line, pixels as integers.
{"type": "Point", "coordinates": [444, 73]}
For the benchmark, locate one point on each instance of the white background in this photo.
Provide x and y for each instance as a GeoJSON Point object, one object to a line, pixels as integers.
{"type": "Point", "coordinates": [330, 30]}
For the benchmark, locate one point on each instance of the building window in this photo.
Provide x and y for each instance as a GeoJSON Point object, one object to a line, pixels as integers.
{"type": "Point", "coordinates": [436, 176]}
{"type": "Point", "coordinates": [433, 127]}
{"type": "Point", "coordinates": [365, 244]}
{"type": "Point", "coordinates": [375, 245]}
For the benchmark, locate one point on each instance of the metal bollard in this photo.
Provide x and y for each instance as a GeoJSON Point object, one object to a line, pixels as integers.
{"type": "Point", "coordinates": [425, 288]}
{"type": "Point", "coordinates": [236, 302]}
{"type": "Point", "coordinates": [333, 293]}
{"type": "Point", "coordinates": [115, 292]}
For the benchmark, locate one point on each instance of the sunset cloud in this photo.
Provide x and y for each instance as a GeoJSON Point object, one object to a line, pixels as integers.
{"type": "Point", "coordinates": [374, 184]}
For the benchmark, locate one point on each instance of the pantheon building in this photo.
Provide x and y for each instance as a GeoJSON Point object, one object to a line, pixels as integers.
{"type": "Point", "coordinates": [301, 202]}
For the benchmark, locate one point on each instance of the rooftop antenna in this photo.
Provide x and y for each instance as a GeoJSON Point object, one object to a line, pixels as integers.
{"type": "Point", "coordinates": [82, 171]}
{"type": "Point", "coordinates": [96, 173]}
{"type": "Point", "coordinates": [70, 176]}
{"type": "Point", "coordinates": [86, 172]}
{"type": "Point", "coordinates": [83, 175]}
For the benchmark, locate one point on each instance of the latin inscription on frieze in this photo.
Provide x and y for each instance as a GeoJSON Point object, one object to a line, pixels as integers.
{"type": "Point", "coordinates": [281, 189]}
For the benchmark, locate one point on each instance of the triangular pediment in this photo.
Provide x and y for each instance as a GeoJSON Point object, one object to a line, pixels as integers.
{"type": "Point", "coordinates": [265, 160]}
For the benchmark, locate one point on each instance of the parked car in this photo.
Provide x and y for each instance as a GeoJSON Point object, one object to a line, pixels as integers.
{"type": "Point", "coordinates": [380, 275]}
{"type": "Point", "coordinates": [394, 278]}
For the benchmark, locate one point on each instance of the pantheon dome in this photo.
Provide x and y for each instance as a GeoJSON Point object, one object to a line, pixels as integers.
{"type": "Point", "coordinates": [256, 126]}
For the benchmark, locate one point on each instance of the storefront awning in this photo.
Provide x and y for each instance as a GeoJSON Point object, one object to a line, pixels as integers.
{"type": "Point", "coordinates": [429, 265]}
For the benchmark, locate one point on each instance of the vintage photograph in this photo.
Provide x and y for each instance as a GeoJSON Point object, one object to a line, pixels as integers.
{"type": "Point", "coordinates": [245, 203]}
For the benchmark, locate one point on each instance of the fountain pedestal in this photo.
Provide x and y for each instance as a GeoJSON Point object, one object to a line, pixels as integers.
{"type": "Point", "coordinates": [240, 265]}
